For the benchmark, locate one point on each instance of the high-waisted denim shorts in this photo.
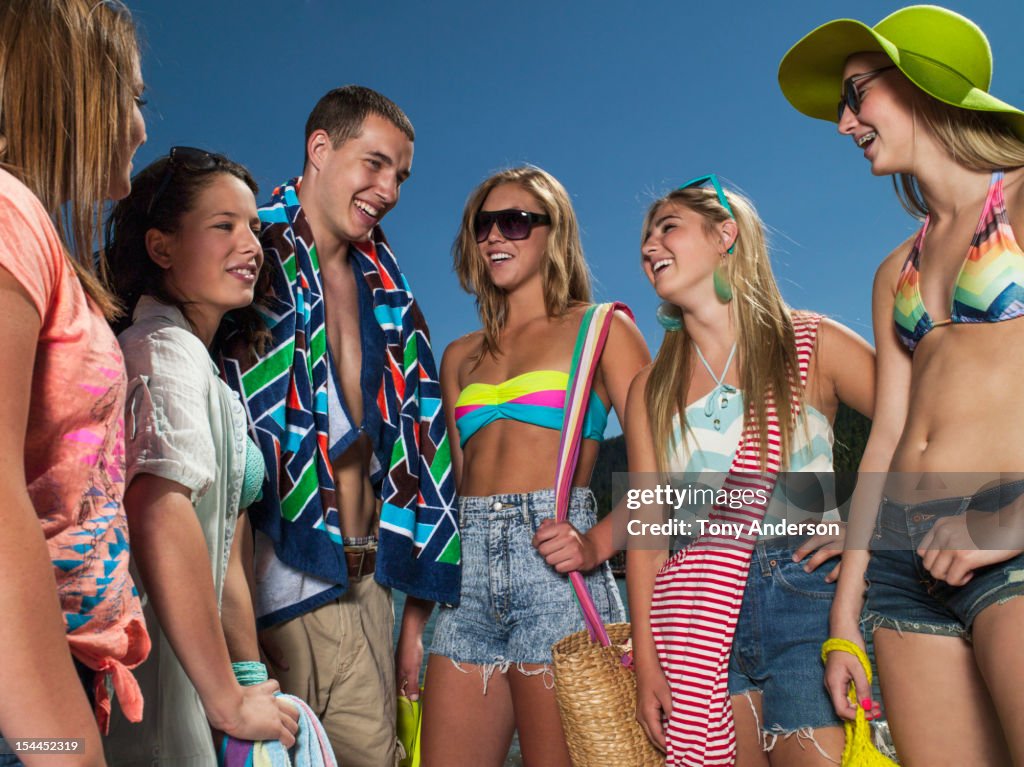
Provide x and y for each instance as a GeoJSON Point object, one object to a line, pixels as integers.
{"type": "Point", "coordinates": [902, 594]}
{"type": "Point", "coordinates": [514, 606]}
{"type": "Point", "coordinates": [777, 647]}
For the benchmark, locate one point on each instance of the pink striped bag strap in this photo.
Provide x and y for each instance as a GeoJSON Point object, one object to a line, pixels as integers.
{"type": "Point", "coordinates": [587, 354]}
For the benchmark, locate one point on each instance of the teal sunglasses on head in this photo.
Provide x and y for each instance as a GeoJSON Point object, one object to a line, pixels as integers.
{"type": "Point", "coordinates": [713, 180]}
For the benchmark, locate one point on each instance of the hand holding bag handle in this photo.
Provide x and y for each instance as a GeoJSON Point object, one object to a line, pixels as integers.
{"type": "Point", "coordinates": [594, 682]}
{"type": "Point", "coordinates": [859, 749]}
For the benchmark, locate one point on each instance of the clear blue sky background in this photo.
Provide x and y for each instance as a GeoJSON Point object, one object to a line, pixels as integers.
{"type": "Point", "coordinates": [620, 104]}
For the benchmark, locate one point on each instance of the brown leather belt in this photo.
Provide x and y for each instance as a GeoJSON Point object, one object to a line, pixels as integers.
{"type": "Point", "coordinates": [361, 561]}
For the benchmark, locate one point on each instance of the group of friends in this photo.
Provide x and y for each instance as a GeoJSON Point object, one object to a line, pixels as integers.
{"type": "Point", "coordinates": [268, 446]}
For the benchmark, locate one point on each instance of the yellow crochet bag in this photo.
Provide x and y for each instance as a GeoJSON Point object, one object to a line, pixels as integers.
{"type": "Point", "coordinates": [860, 750]}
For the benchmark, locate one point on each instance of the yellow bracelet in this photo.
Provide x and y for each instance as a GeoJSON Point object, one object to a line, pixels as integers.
{"type": "Point", "coordinates": [845, 645]}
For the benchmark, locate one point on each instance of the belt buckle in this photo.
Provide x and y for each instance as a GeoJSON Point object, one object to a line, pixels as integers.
{"type": "Point", "coordinates": [357, 573]}
{"type": "Point", "coordinates": [359, 569]}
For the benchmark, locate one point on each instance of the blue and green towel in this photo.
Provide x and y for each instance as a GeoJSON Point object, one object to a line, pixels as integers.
{"type": "Point", "coordinates": [301, 426]}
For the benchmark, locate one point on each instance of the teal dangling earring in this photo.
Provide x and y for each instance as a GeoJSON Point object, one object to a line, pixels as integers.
{"type": "Point", "coordinates": [669, 316]}
{"type": "Point", "coordinates": [722, 287]}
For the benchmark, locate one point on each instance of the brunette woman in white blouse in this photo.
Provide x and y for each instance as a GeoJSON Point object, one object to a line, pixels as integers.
{"type": "Point", "coordinates": [184, 251]}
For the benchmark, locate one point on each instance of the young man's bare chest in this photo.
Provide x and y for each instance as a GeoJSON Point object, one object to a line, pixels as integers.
{"type": "Point", "coordinates": [341, 304]}
{"type": "Point", "coordinates": [351, 470]}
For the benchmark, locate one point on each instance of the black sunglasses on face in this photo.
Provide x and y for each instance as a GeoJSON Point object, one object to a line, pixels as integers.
{"type": "Point", "coordinates": [513, 224]}
{"type": "Point", "coordinates": [851, 96]}
{"type": "Point", "coordinates": [187, 157]}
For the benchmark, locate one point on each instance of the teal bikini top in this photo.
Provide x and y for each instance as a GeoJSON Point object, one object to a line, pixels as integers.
{"type": "Point", "coordinates": [255, 470]}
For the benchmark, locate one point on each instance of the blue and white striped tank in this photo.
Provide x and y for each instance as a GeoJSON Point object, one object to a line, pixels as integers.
{"type": "Point", "coordinates": [704, 452]}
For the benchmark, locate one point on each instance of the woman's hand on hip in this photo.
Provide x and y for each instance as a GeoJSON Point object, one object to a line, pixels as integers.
{"type": "Point", "coordinates": [825, 547]}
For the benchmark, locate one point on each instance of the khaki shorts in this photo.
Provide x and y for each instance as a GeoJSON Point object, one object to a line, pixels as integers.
{"type": "Point", "coordinates": [341, 662]}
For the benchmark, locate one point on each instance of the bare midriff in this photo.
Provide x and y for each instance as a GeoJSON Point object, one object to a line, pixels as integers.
{"type": "Point", "coordinates": [357, 502]}
{"type": "Point", "coordinates": [514, 457]}
{"type": "Point", "coordinates": [965, 420]}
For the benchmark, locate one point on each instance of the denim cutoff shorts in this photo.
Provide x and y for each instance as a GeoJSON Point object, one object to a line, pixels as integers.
{"type": "Point", "coordinates": [777, 647]}
{"type": "Point", "coordinates": [902, 594]}
{"type": "Point", "coordinates": [514, 606]}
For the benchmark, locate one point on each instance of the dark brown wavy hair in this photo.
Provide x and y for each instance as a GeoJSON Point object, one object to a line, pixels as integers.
{"type": "Point", "coordinates": [134, 273]}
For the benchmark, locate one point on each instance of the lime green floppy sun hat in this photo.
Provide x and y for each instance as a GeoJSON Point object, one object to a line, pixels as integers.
{"type": "Point", "coordinates": [941, 52]}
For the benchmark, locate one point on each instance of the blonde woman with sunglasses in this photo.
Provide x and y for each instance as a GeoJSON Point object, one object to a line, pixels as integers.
{"type": "Point", "coordinates": [940, 583]}
{"type": "Point", "coordinates": [743, 633]}
{"type": "Point", "coordinates": [518, 252]}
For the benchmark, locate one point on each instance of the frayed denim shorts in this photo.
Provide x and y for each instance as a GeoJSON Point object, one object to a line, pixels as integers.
{"type": "Point", "coordinates": [902, 595]}
{"type": "Point", "coordinates": [777, 647]}
{"type": "Point", "coordinates": [514, 606]}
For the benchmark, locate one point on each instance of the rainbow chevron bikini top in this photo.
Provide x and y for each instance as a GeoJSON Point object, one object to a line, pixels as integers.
{"type": "Point", "coordinates": [537, 397]}
{"type": "Point", "coordinates": [989, 287]}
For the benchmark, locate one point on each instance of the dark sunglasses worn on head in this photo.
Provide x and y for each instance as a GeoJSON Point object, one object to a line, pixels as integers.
{"type": "Point", "coordinates": [183, 157]}
{"type": "Point", "coordinates": [712, 179]}
{"type": "Point", "coordinates": [851, 96]}
{"type": "Point", "coordinates": [513, 224]}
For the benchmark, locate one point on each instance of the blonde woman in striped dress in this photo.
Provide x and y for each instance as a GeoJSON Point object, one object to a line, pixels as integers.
{"type": "Point", "coordinates": [730, 341]}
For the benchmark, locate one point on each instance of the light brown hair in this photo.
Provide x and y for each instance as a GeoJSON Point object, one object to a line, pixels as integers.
{"type": "Point", "coordinates": [979, 141]}
{"type": "Point", "coordinates": [66, 100]}
{"type": "Point", "coordinates": [564, 272]}
{"type": "Point", "coordinates": [765, 343]}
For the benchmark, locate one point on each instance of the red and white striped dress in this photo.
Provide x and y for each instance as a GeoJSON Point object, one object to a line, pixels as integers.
{"type": "Point", "coordinates": [698, 594]}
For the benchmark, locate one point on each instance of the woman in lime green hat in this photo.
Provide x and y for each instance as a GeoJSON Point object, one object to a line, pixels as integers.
{"type": "Point", "coordinates": [947, 441]}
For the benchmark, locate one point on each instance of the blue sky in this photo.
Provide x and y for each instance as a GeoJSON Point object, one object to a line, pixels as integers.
{"type": "Point", "coordinates": [619, 103]}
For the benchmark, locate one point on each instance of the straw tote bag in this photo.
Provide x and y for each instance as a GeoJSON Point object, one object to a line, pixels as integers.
{"type": "Point", "coordinates": [594, 681]}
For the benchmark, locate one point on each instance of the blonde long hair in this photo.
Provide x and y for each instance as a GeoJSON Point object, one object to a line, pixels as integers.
{"type": "Point", "coordinates": [766, 345]}
{"type": "Point", "coordinates": [979, 141]}
{"type": "Point", "coordinates": [66, 100]}
{"type": "Point", "coordinates": [564, 272]}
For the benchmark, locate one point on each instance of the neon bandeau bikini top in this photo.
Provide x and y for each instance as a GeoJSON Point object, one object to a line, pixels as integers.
{"type": "Point", "coordinates": [989, 287]}
{"type": "Point", "coordinates": [537, 397]}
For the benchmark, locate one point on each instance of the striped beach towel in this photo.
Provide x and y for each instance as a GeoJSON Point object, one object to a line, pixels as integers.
{"type": "Point", "coordinates": [291, 394]}
{"type": "Point", "coordinates": [311, 749]}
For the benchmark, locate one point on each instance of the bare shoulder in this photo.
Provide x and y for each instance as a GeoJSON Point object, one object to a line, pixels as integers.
{"type": "Point", "coordinates": [836, 335]}
{"type": "Point", "coordinates": [625, 355]}
{"type": "Point", "coordinates": [625, 331]}
{"type": "Point", "coordinates": [459, 350]}
{"type": "Point", "coordinates": [836, 344]}
{"type": "Point", "coordinates": [888, 271]}
{"type": "Point", "coordinates": [465, 344]}
{"type": "Point", "coordinates": [838, 349]}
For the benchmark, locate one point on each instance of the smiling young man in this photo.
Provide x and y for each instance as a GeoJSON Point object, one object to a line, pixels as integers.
{"type": "Point", "coordinates": [346, 408]}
